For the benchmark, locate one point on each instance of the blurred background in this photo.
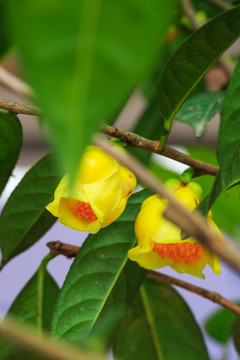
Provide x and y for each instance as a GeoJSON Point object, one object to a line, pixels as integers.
{"type": "Point", "coordinates": [14, 276]}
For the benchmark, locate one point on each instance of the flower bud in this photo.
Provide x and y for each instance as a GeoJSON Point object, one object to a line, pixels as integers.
{"type": "Point", "coordinates": [99, 195]}
{"type": "Point", "coordinates": [159, 240]}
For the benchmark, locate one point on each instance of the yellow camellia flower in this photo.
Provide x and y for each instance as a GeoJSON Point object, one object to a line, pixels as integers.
{"type": "Point", "coordinates": [159, 240]}
{"type": "Point", "coordinates": [99, 195]}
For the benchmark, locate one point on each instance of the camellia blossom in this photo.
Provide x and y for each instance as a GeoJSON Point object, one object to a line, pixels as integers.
{"type": "Point", "coordinates": [99, 195]}
{"type": "Point", "coordinates": [159, 240]}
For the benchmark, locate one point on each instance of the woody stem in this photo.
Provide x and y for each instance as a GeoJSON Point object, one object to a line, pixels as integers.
{"type": "Point", "coordinates": [132, 139]}
{"type": "Point", "coordinates": [68, 250]}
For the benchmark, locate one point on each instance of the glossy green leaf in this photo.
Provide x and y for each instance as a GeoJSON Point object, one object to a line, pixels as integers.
{"type": "Point", "coordinates": [200, 109]}
{"type": "Point", "coordinates": [34, 306]}
{"type": "Point", "coordinates": [236, 334]}
{"type": "Point", "coordinates": [83, 59]}
{"type": "Point", "coordinates": [159, 326]}
{"type": "Point", "coordinates": [219, 325]}
{"type": "Point", "coordinates": [10, 145]}
{"type": "Point", "coordinates": [24, 218]}
{"type": "Point", "coordinates": [192, 60]}
{"type": "Point", "coordinates": [101, 280]}
{"type": "Point", "coordinates": [229, 133]}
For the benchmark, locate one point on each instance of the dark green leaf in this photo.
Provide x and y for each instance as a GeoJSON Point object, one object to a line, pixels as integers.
{"type": "Point", "coordinates": [229, 133]}
{"type": "Point", "coordinates": [5, 40]}
{"type": "Point", "coordinates": [159, 326]}
{"type": "Point", "coordinates": [101, 279]}
{"type": "Point", "coordinates": [29, 309]}
{"type": "Point", "coordinates": [200, 109]}
{"type": "Point", "coordinates": [219, 325]}
{"type": "Point", "coordinates": [226, 207]}
{"type": "Point", "coordinates": [83, 59]}
{"type": "Point", "coordinates": [209, 200]}
{"type": "Point", "coordinates": [236, 334]}
{"type": "Point", "coordinates": [10, 145]}
{"type": "Point", "coordinates": [192, 60]}
{"type": "Point", "coordinates": [226, 203]}
{"type": "Point", "coordinates": [24, 218]}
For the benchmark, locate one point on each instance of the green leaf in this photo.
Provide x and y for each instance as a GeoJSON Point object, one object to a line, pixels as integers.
{"type": "Point", "coordinates": [219, 325]}
{"type": "Point", "coordinates": [228, 142]}
{"type": "Point", "coordinates": [83, 59]}
{"type": "Point", "coordinates": [101, 280]}
{"type": "Point", "coordinates": [217, 189]}
{"type": "Point", "coordinates": [191, 62]}
{"type": "Point", "coordinates": [236, 334]}
{"type": "Point", "coordinates": [159, 326]}
{"type": "Point", "coordinates": [200, 109]}
{"type": "Point", "coordinates": [34, 306]}
{"type": "Point", "coordinates": [24, 218]}
{"type": "Point", "coordinates": [5, 39]}
{"type": "Point", "coordinates": [205, 205]}
{"type": "Point", "coordinates": [225, 207]}
{"type": "Point", "coordinates": [10, 145]}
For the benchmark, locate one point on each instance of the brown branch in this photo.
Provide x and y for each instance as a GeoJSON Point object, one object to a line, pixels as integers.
{"type": "Point", "coordinates": [221, 5]}
{"type": "Point", "coordinates": [189, 12]}
{"type": "Point", "coordinates": [68, 250]}
{"type": "Point", "coordinates": [59, 248]}
{"type": "Point", "coordinates": [191, 223]}
{"type": "Point", "coordinates": [200, 167]}
{"type": "Point", "coordinates": [210, 295]}
{"type": "Point", "coordinates": [18, 108]}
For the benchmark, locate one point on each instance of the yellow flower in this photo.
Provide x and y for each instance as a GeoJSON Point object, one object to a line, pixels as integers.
{"type": "Point", "coordinates": [159, 240]}
{"type": "Point", "coordinates": [99, 195]}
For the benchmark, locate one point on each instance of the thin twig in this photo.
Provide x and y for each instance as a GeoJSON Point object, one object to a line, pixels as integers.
{"type": "Point", "coordinates": [221, 5]}
{"type": "Point", "coordinates": [68, 250]}
{"type": "Point", "coordinates": [200, 167]}
{"type": "Point", "coordinates": [27, 338]}
{"type": "Point", "coordinates": [211, 295]}
{"type": "Point", "coordinates": [14, 83]}
{"type": "Point", "coordinates": [59, 248]}
{"type": "Point", "coordinates": [192, 224]}
{"type": "Point", "coordinates": [18, 108]}
{"type": "Point", "coordinates": [189, 12]}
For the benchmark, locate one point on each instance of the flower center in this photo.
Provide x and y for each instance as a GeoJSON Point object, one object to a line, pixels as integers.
{"type": "Point", "coordinates": [180, 252]}
{"type": "Point", "coordinates": [83, 210]}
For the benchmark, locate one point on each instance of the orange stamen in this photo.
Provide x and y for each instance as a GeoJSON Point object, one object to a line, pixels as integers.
{"type": "Point", "coordinates": [180, 252]}
{"type": "Point", "coordinates": [83, 210]}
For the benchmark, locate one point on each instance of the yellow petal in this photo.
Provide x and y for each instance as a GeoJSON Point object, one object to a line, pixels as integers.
{"type": "Point", "coordinates": [146, 259]}
{"type": "Point", "coordinates": [95, 166]}
{"type": "Point", "coordinates": [149, 220]}
{"type": "Point", "coordinates": [115, 214]}
{"type": "Point", "coordinates": [104, 196]}
{"type": "Point", "coordinates": [196, 189]}
{"type": "Point", "coordinates": [128, 180]}
{"type": "Point", "coordinates": [61, 190]}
